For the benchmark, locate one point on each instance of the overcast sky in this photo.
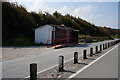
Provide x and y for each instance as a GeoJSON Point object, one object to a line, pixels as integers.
{"type": "Point", "coordinates": [103, 13]}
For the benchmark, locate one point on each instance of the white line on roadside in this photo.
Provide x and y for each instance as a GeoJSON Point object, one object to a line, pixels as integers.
{"type": "Point", "coordinates": [51, 67]}
{"type": "Point", "coordinates": [73, 75]}
{"type": "Point", "coordinates": [44, 70]}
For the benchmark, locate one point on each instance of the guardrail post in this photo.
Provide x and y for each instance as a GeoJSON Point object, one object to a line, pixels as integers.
{"type": "Point", "coordinates": [91, 52]}
{"type": "Point", "coordinates": [100, 47]}
{"type": "Point", "coordinates": [33, 71]}
{"type": "Point", "coordinates": [96, 49]}
{"type": "Point", "coordinates": [105, 45]}
{"type": "Point", "coordinates": [85, 54]}
{"type": "Point", "coordinates": [75, 57]}
{"type": "Point", "coordinates": [61, 63]}
{"type": "Point", "coordinates": [108, 45]}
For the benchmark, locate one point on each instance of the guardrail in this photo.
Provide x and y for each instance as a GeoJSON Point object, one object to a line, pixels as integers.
{"type": "Point", "coordinates": [61, 42]}
{"type": "Point", "coordinates": [33, 66]}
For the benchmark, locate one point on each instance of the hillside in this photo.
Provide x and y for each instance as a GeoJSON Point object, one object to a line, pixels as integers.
{"type": "Point", "coordinates": [18, 24]}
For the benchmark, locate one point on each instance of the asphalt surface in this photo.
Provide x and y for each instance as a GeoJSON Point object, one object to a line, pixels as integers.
{"type": "Point", "coordinates": [20, 68]}
{"type": "Point", "coordinates": [106, 67]}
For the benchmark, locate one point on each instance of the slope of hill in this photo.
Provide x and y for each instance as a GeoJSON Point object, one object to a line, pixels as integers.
{"type": "Point", "coordinates": [18, 24]}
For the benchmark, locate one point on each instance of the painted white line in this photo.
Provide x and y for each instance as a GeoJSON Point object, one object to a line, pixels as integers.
{"type": "Point", "coordinates": [44, 70]}
{"type": "Point", "coordinates": [50, 67]}
{"type": "Point", "coordinates": [73, 75]}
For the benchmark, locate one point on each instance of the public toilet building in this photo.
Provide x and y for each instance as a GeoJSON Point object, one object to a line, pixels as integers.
{"type": "Point", "coordinates": [56, 34]}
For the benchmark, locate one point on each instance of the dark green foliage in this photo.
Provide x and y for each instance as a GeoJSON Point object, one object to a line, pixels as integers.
{"type": "Point", "coordinates": [18, 24]}
{"type": "Point", "coordinates": [37, 18]}
{"type": "Point", "coordinates": [47, 19]}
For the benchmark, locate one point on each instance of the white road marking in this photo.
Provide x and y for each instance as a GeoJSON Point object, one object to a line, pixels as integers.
{"type": "Point", "coordinates": [43, 70]}
{"type": "Point", "coordinates": [75, 74]}
{"type": "Point", "coordinates": [50, 67]}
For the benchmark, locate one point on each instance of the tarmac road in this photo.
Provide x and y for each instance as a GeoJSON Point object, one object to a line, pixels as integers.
{"type": "Point", "coordinates": [20, 68]}
{"type": "Point", "coordinates": [105, 67]}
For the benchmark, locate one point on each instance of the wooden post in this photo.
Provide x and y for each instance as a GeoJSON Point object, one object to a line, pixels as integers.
{"type": "Point", "coordinates": [75, 57]}
{"type": "Point", "coordinates": [91, 52]}
{"type": "Point", "coordinates": [100, 47]}
{"type": "Point", "coordinates": [108, 45]}
{"type": "Point", "coordinates": [61, 63]}
{"type": "Point", "coordinates": [85, 54]}
{"type": "Point", "coordinates": [96, 49]}
{"type": "Point", "coordinates": [103, 46]}
{"type": "Point", "coordinates": [33, 71]}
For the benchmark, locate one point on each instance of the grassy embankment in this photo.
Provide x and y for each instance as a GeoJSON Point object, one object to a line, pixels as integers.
{"type": "Point", "coordinates": [89, 39]}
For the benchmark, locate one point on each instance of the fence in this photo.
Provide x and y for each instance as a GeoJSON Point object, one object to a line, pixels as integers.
{"type": "Point", "coordinates": [61, 42]}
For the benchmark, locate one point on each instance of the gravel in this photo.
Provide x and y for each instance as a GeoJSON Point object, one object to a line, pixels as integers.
{"type": "Point", "coordinates": [12, 53]}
